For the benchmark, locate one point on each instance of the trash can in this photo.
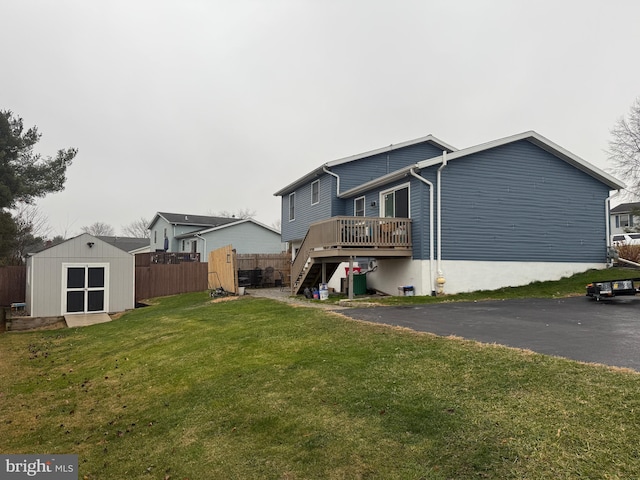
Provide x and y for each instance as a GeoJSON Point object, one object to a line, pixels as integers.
{"type": "Point", "coordinates": [406, 291]}
{"type": "Point", "coordinates": [359, 284]}
{"type": "Point", "coordinates": [323, 290]}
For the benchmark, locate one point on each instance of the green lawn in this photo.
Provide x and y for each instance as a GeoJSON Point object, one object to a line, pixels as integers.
{"type": "Point", "coordinates": [256, 389]}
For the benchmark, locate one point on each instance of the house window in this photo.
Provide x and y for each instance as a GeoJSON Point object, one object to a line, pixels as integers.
{"type": "Point", "coordinates": [292, 208]}
{"type": "Point", "coordinates": [315, 189]}
{"type": "Point", "coordinates": [395, 203]}
{"type": "Point", "coordinates": [155, 236]}
{"type": "Point", "coordinates": [165, 233]}
{"type": "Point", "coordinates": [358, 207]}
{"type": "Point", "coordinates": [623, 221]}
{"type": "Point", "coordinates": [183, 245]}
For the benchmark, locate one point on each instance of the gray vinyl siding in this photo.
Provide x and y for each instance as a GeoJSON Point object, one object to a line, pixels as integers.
{"type": "Point", "coordinates": [518, 202]}
{"type": "Point", "coordinates": [246, 238]}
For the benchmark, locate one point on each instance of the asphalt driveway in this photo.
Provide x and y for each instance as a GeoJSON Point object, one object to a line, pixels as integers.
{"type": "Point", "coordinates": [576, 328]}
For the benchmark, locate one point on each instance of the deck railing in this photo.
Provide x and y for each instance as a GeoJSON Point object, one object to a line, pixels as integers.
{"type": "Point", "coordinates": [352, 232]}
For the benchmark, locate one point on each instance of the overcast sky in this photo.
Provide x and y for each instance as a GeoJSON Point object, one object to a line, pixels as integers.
{"type": "Point", "coordinates": [202, 106]}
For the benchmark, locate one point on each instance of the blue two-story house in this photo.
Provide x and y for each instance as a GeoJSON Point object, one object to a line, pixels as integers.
{"type": "Point", "coordinates": [423, 213]}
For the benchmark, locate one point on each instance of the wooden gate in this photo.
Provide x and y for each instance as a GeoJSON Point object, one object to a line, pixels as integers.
{"type": "Point", "coordinates": [223, 271]}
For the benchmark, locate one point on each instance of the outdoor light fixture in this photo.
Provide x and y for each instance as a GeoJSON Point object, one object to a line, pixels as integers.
{"type": "Point", "coordinates": [373, 204]}
{"type": "Point", "coordinates": [90, 244]}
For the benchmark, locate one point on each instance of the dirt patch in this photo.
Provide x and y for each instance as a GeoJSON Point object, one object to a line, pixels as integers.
{"type": "Point", "coordinates": [224, 299]}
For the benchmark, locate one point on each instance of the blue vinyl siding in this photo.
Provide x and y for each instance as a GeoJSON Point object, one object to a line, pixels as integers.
{"type": "Point", "coordinates": [305, 212]}
{"type": "Point", "coordinates": [361, 171]}
{"type": "Point", "coordinates": [518, 202]}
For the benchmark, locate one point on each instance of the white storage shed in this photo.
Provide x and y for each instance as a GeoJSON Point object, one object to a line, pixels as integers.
{"type": "Point", "coordinates": [79, 276]}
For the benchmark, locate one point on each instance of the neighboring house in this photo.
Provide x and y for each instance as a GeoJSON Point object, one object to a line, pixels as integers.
{"type": "Point", "coordinates": [424, 214]}
{"type": "Point", "coordinates": [178, 232]}
{"type": "Point", "coordinates": [81, 275]}
{"type": "Point", "coordinates": [128, 244]}
{"type": "Point", "coordinates": [625, 217]}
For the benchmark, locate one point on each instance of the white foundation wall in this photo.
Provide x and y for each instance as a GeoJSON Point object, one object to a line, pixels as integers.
{"type": "Point", "coordinates": [464, 276]}
{"type": "Point", "coordinates": [394, 273]}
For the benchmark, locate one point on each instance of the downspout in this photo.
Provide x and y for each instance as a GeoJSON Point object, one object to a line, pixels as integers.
{"type": "Point", "coordinates": [440, 280]}
{"type": "Point", "coordinates": [431, 228]}
{"type": "Point", "coordinates": [325, 170]}
{"type": "Point", "coordinates": [607, 213]}
{"type": "Point", "coordinates": [204, 251]}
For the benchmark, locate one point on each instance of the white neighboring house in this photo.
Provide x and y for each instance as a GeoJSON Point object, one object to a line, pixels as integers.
{"type": "Point", "coordinates": [179, 232]}
{"type": "Point", "coordinates": [81, 275]}
{"type": "Point", "coordinates": [624, 217]}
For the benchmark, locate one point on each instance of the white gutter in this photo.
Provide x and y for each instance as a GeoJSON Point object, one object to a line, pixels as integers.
{"type": "Point", "coordinates": [325, 170]}
{"type": "Point", "coordinates": [205, 246]}
{"type": "Point", "coordinates": [431, 235]}
{"type": "Point", "coordinates": [439, 176]}
{"type": "Point", "coordinates": [607, 213]}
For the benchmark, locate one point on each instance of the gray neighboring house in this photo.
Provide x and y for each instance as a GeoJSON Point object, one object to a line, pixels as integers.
{"type": "Point", "coordinates": [179, 232]}
{"type": "Point", "coordinates": [625, 217]}
{"type": "Point", "coordinates": [81, 275]}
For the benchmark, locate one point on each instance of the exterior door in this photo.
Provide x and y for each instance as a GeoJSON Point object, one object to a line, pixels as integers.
{"type": "Point", "coordinates": [85, 288]}
{"type": "Point", "coordinates": [395, 203]}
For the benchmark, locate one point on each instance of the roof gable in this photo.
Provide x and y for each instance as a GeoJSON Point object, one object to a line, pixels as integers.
{"type": "Point", "coordinates": [341, 161]}
{"type": "Point", "coordinates": [191, 220]}
{"type": "Point", "coordinates": [227, 225]}
{"type": "Point", "coordinates": [530, 136]}
{"type": "Point", "coordinates": [90, 241]}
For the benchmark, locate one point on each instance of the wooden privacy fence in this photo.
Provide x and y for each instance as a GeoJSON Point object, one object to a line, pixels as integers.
{"type": "Point", "coordinates": [223, 271]}
{"type": "Point", "coordinates": [158, 280]}
{"type": "Point", "coordinates": [13, 284]}
{"type": "Point", "coordinates": [225, 265]}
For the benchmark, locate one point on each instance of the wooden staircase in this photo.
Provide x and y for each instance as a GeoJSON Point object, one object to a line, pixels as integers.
{"type": "Point", "coordinates": [335, 240]}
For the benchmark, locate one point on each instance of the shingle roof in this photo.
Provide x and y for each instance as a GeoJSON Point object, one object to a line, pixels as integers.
{"type": "Point", "coordinates": [126, 243]}
{"type": "Point", "coordinates": [194, 220]}
{"type": "Point", "coordinates": [626, 207]}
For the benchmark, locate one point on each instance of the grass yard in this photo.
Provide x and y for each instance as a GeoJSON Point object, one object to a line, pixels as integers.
{"type": "Point", "coordinates": [256, 389]}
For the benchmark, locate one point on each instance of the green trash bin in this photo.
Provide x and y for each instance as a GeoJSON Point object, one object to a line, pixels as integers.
{"type": "Point", "coordinates": [359, 284]}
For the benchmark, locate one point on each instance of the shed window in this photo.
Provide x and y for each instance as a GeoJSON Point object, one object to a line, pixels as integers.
{"type": "Point", "coordinates": [315, 195]}
{"type": "Point", "coordinates": [292, 208]}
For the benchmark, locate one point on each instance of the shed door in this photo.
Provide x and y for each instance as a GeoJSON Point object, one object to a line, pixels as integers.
{"type": "Point", "coordinates": [85, 288]}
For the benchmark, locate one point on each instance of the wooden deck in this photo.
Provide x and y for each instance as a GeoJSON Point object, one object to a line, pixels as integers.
{"type": "Point", "coordinates": [339, 238]}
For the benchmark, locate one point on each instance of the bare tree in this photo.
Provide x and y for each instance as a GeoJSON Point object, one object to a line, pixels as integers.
{"type": "Point", "coordinates": [99, 229]}
{"type": "Point", "coordinates": [31, 229]}
{"type": "Point", "coordinates": [137, 228]}
{"type": "Point", "coordinates": [240, 214]}
{"type": "Point", "coordinates": [277, 224]}
{"type": "Point", "coordinates": [624, 148]}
